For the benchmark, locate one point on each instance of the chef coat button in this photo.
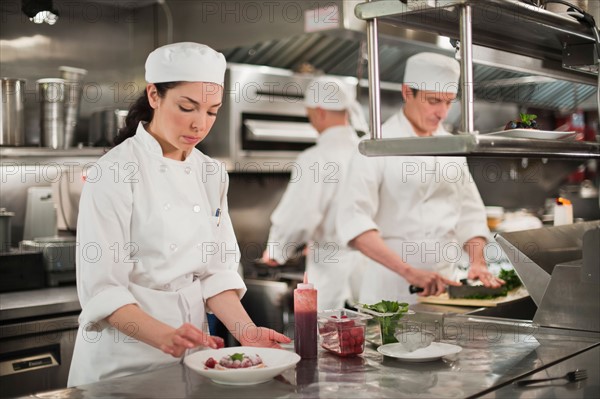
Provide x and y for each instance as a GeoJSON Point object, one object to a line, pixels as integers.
{"type": "Point", "coordinates": [167, 286]}
{"type": "Point", "coordinates": [196, 208]}
{"type": "Point", "coordinates": [163, 168]}
{"type": "Point", "coordinates": [173, 247]}
{"type": "Point", "coordinates": [188, 170]}
{"type": "Point", "coordinates": [167, 206]}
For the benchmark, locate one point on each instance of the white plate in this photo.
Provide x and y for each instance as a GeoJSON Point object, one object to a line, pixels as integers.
{"type": "Point", "coordinates": [433, 352]}
{"type": "Point", "coordinates": [276, 361]}
{"type": "Point", "coordinates": [534, 134]}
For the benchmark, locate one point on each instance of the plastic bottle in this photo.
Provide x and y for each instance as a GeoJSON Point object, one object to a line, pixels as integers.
{"type": "Point", "coordinates": [563, 212]}
{"type": "Point", "coordinates": [305, 315]}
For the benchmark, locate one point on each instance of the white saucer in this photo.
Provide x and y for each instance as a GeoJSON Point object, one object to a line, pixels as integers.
{"type": "Point", "coordinates": [534, 134]}
{"type": "Point", "coordinates": [433, 352]}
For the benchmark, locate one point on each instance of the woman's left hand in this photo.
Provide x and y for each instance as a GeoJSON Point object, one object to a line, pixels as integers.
{"type": "Point", "coordinates": [263, 337]}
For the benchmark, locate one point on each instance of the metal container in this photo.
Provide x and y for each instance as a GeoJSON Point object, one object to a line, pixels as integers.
{"type": "Point", "coordinates": [74, 87]}
{"type": "Point", "coordinates": [52, 112]}
{"type": "Point", "coordinates": [12, 113]}
{"type": "Point", "coordinates": [5, 236]}
{"type": "Point", "coordinates": [104, 126]}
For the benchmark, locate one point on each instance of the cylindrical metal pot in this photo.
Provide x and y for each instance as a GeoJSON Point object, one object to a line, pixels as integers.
{"type": "Point", "coordinates": [5, 236]}
{"type": "Point", "coordinates": [104, 126]}
{"type": "Point", "coordinates": [74, 87]}
{"type": "Point", "coordinates": [52, 112]}
{"type": "Point", "coordinates": [12, 113]}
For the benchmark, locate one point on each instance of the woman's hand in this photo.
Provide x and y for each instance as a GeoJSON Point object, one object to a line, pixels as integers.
{"type": "Point", "coordinates": [186, 337]}
{"type": "Point", "coordinates": [432, 283]}
{"type": "Point", "coordinates": [263, 337]}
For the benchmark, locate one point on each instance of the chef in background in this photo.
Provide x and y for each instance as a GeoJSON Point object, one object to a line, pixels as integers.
{"type": "Point", "coordinates": [306, 212]}
{"type": "Point", "coordinates": [415, 216]}
{"type": "Point", "coordinates": [156, 247]}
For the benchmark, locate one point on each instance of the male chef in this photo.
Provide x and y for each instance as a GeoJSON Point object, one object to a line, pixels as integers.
{"type": "Point", "coordinates": [415, 216]}
{"type": "Point", "coordinates": [306, 212]}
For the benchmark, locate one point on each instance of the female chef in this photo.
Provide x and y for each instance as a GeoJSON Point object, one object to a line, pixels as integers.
{"type": "Point", "coordinates": [156, 245]}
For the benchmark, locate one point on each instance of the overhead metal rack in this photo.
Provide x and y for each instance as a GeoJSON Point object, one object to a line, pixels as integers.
{"type": "Point", "coordinates": [507, 25]}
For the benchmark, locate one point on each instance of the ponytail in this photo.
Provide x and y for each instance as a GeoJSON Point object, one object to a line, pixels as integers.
{"type": "Point", "coordinates": [141, 111]}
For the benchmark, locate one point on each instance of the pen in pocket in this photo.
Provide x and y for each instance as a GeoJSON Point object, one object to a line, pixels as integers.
{"type": "Point", "coordinates": [218, 216]}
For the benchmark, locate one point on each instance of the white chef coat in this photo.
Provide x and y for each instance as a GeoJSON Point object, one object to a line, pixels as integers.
{"type": "Point", "coordinates": [148, 234]}
{"type": "Point", "coordinates": [306, 214]}
{"type": "Point", "coordinates": [424, 207]}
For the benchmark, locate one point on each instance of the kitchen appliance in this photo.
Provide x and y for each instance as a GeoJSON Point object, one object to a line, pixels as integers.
{"type": "Point", "coordinates": [21, 270]}
{"type": "Point", "coordinates": [58, 255]}
{"type": "Point", "coordinates": [66, 192]}
{"type": "Point", "coordinates": [73, 86]}
{"type": "Point", "coordinates": [52, 112]}
{"type": "Point", "coordinates": [262, 125]}
{"type": "Point", "coordinates": [5, 234]}
{"type": "Point", "coordinates": [560, 268]}
{"type": "Point", "coordinates": [12, 114]}
{"type": "Point", "coordinates": [40, 213]}
{"type": "Point", "coordinates": [37, 337]}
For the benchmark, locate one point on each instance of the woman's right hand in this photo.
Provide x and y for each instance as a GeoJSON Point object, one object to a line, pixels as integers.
{"type": "Point", "coordinates": [186, 337]}
{"type": "Point", "coordinates": [432, 283]}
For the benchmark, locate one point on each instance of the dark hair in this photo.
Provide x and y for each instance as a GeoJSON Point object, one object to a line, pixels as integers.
{"type": "Point", "coordinates": [141, 110]}
{"type": "Point", "coordinates": [414, 91]}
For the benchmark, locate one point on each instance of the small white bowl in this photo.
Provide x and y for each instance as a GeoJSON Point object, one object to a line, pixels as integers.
{"type": "Point", "coordinates": [414, 339]}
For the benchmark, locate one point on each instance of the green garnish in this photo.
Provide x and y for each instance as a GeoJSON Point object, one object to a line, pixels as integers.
{"type": "Point", "coordinates": [527, 119]}
{"type": "Point", "coordinates": [512, 282]}
{"type": "Point", "coordinates": [388, 323]}
{"type": "Point", "coordinates": [237, 356]}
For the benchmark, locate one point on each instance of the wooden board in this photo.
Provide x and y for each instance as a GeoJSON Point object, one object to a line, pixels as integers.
{"type": "Point", "coordinates": [443, 299]}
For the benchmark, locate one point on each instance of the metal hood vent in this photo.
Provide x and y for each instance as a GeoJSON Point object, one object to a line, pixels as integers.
{"type": "Point", "coordinates": [340, 53]}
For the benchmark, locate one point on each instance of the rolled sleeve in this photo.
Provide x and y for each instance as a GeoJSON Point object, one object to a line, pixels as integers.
{"type": "Point", "coordinates": [222, 281]}
{"type": "Point", "coordinates": [102, 305]}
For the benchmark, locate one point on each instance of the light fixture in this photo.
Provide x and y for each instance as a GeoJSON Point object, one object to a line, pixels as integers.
{"type": "Point", "coordinates": [40, 11]}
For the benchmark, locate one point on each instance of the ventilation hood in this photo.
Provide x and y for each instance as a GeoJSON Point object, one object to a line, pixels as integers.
{"type": "Point", "coordinates": [341, 50]}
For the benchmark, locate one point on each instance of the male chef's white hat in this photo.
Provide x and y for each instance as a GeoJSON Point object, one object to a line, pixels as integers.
{"type": "Point", "coordinates": [328, 93]}
{"type": "Point", "coordinates": [332, 94]}
{"type": "Point", "coordinates": [432, 72]}
{"type": "Point", "coordinates": [185, 62]}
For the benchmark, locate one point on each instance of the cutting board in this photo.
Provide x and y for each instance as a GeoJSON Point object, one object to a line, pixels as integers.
{"type": "Point", "coordinates": [443, 299]}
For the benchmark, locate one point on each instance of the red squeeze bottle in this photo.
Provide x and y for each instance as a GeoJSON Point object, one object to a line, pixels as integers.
{"type": "Point", "coordinates": [305, 316]}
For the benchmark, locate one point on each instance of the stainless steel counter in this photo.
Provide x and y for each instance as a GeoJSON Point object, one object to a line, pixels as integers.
{"type": "Point", "coordinates": [495, 353]}
{"type": "Point", "coordinates": [38, 303]}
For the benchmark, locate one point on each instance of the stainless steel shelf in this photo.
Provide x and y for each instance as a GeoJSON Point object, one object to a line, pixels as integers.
{"type": "Point", "coordinates": [508, 25]}
{"type": "Point", "coordinates": [480, 145]}
{"type": "Point", "coordinates": [41, 152]}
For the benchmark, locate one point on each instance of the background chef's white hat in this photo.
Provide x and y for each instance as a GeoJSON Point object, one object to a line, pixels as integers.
{"type": "Point", "coordinates": [330, 93]}
{"type": "Point", "coordinates": [185, 62]}
{"type": "Point", "coordinates": [432, 72]}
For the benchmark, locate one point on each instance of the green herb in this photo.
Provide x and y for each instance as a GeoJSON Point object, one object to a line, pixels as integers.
{"type": "Point", "coordinates": [512, 282]}
{"type": "Point", "coordinates": [388, 323]}
{"type": "Point", "coordinates": [237, 356]}
{"type": "Point", "coordinates": [511, 278]}
{"type": "Point", "coordinates": [528, 119]}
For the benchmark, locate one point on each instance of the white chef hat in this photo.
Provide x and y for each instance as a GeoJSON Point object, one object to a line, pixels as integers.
{"type": "Point", "coordinates": [185, 62]}
{"type": "Point", "coordinates": [432, 72]}
{"type": "Point", "coordinates": [328, 93]}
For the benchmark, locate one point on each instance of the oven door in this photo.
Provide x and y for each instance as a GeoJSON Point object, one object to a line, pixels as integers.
{"type": "Point", "coordinates": [36, 355]}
